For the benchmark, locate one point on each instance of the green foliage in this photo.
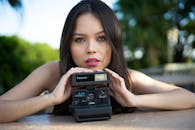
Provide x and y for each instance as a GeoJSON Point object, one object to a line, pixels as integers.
{"type": "Point", "coordinates": [145, 24]}
{"type": "Point", "coordinates": [19, 58]}
{"type": "Point", "coordinates": [190, 27]}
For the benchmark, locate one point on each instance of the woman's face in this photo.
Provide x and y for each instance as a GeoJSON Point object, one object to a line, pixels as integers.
{"type": "Point", "coordinates": [89, 46]}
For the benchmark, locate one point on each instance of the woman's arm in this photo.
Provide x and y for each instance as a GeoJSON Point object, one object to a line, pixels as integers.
{"type": "Point", "coordinates": [24, 99]}
{"type": "Point", "coordinates": [160, 95]}
{"type": "Point", "coordinates": [151, 93]}
{"type": "Point", "coordinates": [170, 100]}
{"type": "Point", "coordinates": [12, 110]}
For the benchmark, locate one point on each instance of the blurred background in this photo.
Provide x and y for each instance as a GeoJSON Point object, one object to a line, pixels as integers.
{"type": "Point", "coordinates": [159, 37]}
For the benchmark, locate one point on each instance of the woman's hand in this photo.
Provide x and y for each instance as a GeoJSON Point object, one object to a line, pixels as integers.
{"type": "Point", "coordinates": [119, 90]}
{"type": "Point", "coordinates": [63, 89]}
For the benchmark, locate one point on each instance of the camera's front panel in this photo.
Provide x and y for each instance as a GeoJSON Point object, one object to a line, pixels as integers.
{"type": "Point", "coordinates": [91, 104]}
{"type": "Point", "coordinates": [91, 97]}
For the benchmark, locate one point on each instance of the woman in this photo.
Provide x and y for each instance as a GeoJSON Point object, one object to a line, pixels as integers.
{"type": "Point", "coordinates": [91, 41]}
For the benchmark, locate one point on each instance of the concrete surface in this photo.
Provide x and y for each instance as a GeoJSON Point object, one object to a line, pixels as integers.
{"type": "Point", "coordinates": [139, 120]}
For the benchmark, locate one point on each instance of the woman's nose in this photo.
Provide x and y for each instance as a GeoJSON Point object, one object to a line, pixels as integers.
{"type": "Point", "coordinates": [91, 48]}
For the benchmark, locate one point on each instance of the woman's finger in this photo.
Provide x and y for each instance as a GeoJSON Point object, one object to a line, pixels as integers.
{"type": "Point", "coordinates": [111, 93]}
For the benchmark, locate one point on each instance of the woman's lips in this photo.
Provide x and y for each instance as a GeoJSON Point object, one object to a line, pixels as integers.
{"type": "Point", "coordinates": [92, 62]}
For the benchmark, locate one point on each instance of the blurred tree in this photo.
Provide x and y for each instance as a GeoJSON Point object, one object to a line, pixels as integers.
{"type": "Point", "coordinates": [183, 17]}
{"type": "Point", "coordinates": [16, 4]}
{"type": "Point", "coordinates": [190, 27]}
{"type": "Point", "coordinates": [19, 58]}
{"type": "Point", "coordinates": [145, 25]}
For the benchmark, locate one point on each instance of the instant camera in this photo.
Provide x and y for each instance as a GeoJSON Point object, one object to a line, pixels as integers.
{"type": "Point", "coordinates": [90, 96]}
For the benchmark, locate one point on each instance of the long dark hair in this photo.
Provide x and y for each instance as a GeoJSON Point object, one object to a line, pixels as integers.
{"type": "Point", "coordinates": [111, 28]}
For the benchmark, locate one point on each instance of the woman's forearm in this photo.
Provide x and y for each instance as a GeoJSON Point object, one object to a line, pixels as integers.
{"type": "Point", "coordinates": [173, 100]}
{"type": "Point", "coordinates": [12, 110]}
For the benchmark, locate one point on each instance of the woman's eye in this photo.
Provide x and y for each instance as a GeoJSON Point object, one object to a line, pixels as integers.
{"type": "Point", "coordinates": [79, 40]}
{"type": "Point", "coordinates": [101, 38]}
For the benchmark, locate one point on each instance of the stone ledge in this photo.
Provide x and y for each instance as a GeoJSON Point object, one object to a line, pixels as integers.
{"type": "Point", "coordinates": [139, 120]}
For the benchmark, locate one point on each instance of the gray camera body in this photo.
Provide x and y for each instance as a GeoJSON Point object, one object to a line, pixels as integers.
{"type": "Point", "coordinates": [90, 96]}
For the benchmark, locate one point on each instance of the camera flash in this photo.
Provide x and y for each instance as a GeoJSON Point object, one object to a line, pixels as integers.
{"type": "Point", "coordinates": [100, 77]}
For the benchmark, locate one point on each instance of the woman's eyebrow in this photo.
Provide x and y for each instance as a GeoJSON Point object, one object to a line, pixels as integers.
{"type": "Point", "coordinates": [78, 34]}
{"type": "Point", "coordinates": [81, 34]}
{"type": "Point", "coordinates": [100, 32]}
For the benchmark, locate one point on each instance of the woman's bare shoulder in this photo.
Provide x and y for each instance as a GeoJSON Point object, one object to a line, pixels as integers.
{"type": "Point", "coordinates": [48, 69]}
{"type": "Point", "coordinates": [52, 67]}
{"type": "Point", "coordinates": [140, 80]}
{"type": "Point", "coordinates": [51, 70]}
{"type": "Point", "coordinates": [133, 72]}
{"type": "Point", "coordinates": [138, 76]}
